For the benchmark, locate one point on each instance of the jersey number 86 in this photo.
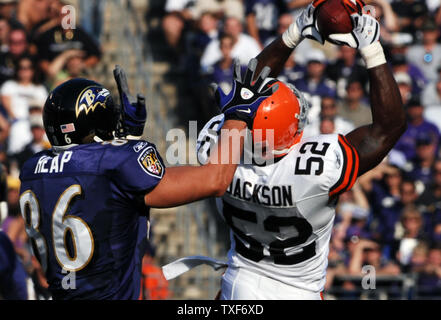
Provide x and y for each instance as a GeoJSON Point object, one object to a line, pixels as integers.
{"type": "Point", "coordinates": [61, 225]}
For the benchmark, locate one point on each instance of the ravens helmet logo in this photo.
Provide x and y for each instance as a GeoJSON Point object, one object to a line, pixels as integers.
{"type": "Point", "coordinates": [91, 98]}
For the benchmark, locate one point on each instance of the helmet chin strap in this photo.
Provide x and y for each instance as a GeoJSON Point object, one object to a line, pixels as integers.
{"type": "Point", "coordinates": [282, 152]}
{"type": "Point", "coordinates": [298, 136]}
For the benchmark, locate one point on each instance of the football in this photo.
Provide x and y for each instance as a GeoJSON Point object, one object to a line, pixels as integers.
{"type": "Point", "coordinates": [333, 16]}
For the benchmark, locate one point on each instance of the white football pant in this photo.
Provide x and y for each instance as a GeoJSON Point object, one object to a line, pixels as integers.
{"type": "Point", "coordinates": [242, 284]}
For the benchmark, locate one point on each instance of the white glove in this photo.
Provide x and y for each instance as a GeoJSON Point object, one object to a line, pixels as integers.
{"type": "Point", "coordinates": [364, 37]}
{"type": "Point", "coordinates": [303, 27]}
{"type": "Point", "coordinates": [366, 31]}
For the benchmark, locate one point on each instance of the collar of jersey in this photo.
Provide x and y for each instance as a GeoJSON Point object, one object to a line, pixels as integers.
{"type": "Point", "coordinates": [59, 149]}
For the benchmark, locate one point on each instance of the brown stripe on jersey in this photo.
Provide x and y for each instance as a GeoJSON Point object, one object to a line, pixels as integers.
{"type": "Point", "coordinates": [343, 172]}
{"type": "Point", "coordinates": [356, 163]}
{"type": "Point", "coordinates": [350, 168]}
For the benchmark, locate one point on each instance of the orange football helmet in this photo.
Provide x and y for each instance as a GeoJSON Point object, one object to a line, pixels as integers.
{"type": "Point", "coordinates": [282, 115]}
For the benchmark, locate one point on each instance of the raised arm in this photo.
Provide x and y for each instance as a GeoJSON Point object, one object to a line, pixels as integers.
{"type": "Point", "coordinates": [274, 56]}
{"type": "Point", "coordinates": [373, 142]}
{"type": "Point", "coordinates": [186, 184]}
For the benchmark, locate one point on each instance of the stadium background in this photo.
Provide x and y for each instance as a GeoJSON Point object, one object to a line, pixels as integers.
{"type": "Point", "coordinates": [392, 218]}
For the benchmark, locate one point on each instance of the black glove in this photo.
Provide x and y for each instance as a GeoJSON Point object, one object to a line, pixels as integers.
{"type": "Point", "coordinates": [245, 96]}
{"type": "Point", "coordinates": [133, 111]}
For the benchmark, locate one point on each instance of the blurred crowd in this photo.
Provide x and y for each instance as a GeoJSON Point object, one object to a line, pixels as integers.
{"type": "Point", "coordinates": [392, 218]}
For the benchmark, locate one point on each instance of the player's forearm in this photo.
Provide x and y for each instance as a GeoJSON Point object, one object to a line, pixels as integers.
{"type": "Point", "coordinates": [389, 120]}
{"type": "Point", "coordinates": [214, 178]}
{"type": "Point", "coordinates": [373, 142]}
{"type": "Point", "coordinates": [274, 56]}
{"type": "Point", "coordinates": [181, 185]}
{"type": "Point", "coordinates": [225, 158]}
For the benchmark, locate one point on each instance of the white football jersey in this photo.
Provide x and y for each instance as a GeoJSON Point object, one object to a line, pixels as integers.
{"type": "Point", "coordinates": [281, 215]}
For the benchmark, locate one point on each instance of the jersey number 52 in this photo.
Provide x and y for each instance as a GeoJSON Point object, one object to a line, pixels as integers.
{"type": "Point", "coordinates": [316, 158]}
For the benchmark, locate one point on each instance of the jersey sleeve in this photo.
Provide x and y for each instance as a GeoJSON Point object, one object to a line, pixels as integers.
{"type": "Point", "coordinates": [208, 138]}
{"type": "Point", "coordinates": [349, 168]}
{"type": "Point", "coordinates": [138, 167]}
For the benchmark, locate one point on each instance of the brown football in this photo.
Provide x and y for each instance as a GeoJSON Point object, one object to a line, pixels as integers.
{"type": "Point", "coordinates": [333, 17]}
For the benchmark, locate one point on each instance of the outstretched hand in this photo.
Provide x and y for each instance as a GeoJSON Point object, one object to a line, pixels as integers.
{"type": "Point", "coordinates": [133, 110]}
{"type": "Point", "coordinates": [304, 27]}
{"type": "Point", "coordinates": [246, 95]}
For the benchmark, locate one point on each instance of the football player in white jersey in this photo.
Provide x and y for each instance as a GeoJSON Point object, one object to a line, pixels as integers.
{"type": "Point", "coordinates": [281, 214]}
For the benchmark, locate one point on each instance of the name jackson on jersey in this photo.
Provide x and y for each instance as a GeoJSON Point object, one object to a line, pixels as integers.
{"type": "Point", "coordinates": [274, 196]}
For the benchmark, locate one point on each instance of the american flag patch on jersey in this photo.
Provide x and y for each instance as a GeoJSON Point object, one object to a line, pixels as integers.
{"type": "Point", "coordinates": [66, 128]}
